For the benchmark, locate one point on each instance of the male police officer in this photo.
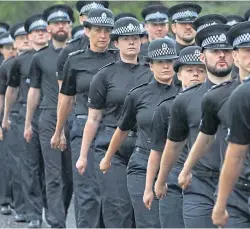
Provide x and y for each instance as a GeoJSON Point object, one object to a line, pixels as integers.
{"type": "Point", "coordinates": [43, 80]}
{"type": "Point", "coordinates": [184, 123]}
{"type": "Point", "coordinates": [32, 165]}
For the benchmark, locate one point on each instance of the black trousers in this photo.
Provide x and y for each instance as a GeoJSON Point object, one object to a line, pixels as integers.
{"type": "Point", "coordinates": [58, 170]}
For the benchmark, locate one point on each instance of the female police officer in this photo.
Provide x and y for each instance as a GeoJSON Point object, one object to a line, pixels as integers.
{"type": "Point", "coordinates": [138, 109]}
{"type": "Point", "coordinates": [108, 90]}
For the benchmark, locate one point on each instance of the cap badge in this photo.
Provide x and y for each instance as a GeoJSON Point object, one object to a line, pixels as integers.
{"type": "Point", "coordinates": [164, 46]}
{"type": "Point", "coordinates": [222, 37]}
{"type": "Point", "coordinates": [197, 52]}
{"type": "Point", "coordinates": [104, 15]}
{"type": "Point", "coordinates": [130, 27]}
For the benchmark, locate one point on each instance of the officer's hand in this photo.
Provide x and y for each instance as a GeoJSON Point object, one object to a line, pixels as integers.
{"type": "Point", "coordinates": [105, 165]}
{"type": "Point", "coordinates": [184, 179]}
{"type": "Point", "coordinates": [55, 141]}
{"type": "Point", "coordinates": [1, 134]}
{"type": "Point", "coordinates": [5, 124]}
{"type": "Point", "coordinates": [28, 133]}
{"type": "Point", "coordinates": [63, 142]}
{"type": "Point", "coordinates": [81, 164]}
{"type": "Point", "coordinates": [148, 198]}
{"type": "Point", "coordinates": [160, 189]}
{"type": "Point", "coordinates": [219, 216]}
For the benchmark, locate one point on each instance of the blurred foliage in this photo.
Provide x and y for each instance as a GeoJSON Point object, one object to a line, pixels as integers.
{"type": "Point", "coordinates": [16, 11]}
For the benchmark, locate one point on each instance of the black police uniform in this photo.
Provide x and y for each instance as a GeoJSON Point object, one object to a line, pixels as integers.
{"type": "Point", "coordinates": [239, 111]}
{"type": "Point", "coordinates": [171, 207]}
{"type": "Point", "coordinates": [58, 171]}
{"type": "Point", "coordinates": [138, 109]}
{"type": "Point", "coordinates": [215, 118]}
{"type": "Point", "coordinates": [14, 147]}
{"type": "Point", "coordinates": [198, 200]}
{"type": "Point", "coordinates": [107, 92]}
{"type": "Point", "coordinates": [31, 159]}
{"type": "Point", "coordinates": [78, 73]}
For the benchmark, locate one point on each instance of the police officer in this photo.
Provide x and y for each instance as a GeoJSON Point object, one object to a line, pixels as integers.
{"type": "Point", "coordinates": [108, 90]}
{"type": "Point", "coordinates": [83, 8]}
{"type": "Point", "coordinates": [31, 159]}
{"type": "Point", "coordinates": [156, 24]}
{"type": "Point", "coordinates": [22, 44]}
{"type": "Point", "coordinates": [184, 123]}
{"type": "Point", "coordinates": [238, 149]}
{"type": "Point", "coordinates": [237, 202]}
{"type": "Point", "coordinates": [4, 27]}
{"type": "Point", "coordinates": [182, 16]}
{"type": "Point", "coordinates": [7, 51]}
{"type": "Point", "coordinates": [138, 109]}
{"type": "Point", "coordinates": [43, 81]}
{"type": "Point", "coordinates": [191, 71]}
{"type": "Point", "coordinates": [79, 70]}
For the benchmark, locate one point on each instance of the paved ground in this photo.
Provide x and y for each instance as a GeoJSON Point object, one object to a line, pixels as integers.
{"type": "Point", "coordinates": [8, 221]}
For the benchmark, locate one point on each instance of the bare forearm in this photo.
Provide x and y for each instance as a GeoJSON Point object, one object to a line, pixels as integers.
{"type": "Point", "coordinates": [63, 111]}
{"type": "Point", "coordinates": [229, 174]}
{"type": "Point", "coordinates": [10, 98]}
{"type": "Point", "coordinates": [33, 100]}
{"type": "Point", "coordinates": [89, 134]}
{"type": "Point", "coordinates": [201, 147]}
{"type": "Point", "coordinates": [152, 168]}
{"type": "Point", "coordinates": [170, 156]}
{"type": "Point", "coordinates": [115, 143]}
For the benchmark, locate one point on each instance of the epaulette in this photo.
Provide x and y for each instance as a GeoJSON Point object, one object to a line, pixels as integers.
{"type": "Point", "coordinates": [107, 65]}
{"type": "Point", "coordinates": [73, 40]}
{"type": "Point", "coordinates": [76, 52]}
{"type": "Point", "coordinates": [166, 99]}
{"type": "Point", "coordinates": [46, 46]}
{"type": "Point", "coordinates": [191, 87]}
{"type": "Point", "coordinates": [247, 79]}
{"type": "Point", "coordinates": [141, 85]}
{"type": "Point", "coordinates": [221, 85]}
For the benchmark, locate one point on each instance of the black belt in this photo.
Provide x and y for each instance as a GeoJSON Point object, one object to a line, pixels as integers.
{"type": "Point", "coordinates": [142, 151]}
{"type": "Point", "coordinates": [131, 133]}
{"type": "Point", "coordinates": [209, 174]}
{"type": "Point", "coordinates": [243, 185]}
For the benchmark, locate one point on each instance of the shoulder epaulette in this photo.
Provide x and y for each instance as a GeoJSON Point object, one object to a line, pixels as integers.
{"type": "Point", "coordinates": [139, 86]}
{"type": "Point", "coordinates": [166, 99]}
{"type": "Point", "coordinates": [73, 40]}
{"type": "Point", "coordinates": [247, 79]}
{"type": "Point", "coordinates": [43, 48]}
{"type": "Point", "coordinates": [107, 65]}
{"type": "Point", "coordinates": [76, 52]}
{"type": "Point", "coordinates": [191, 87]}
{"type": "Point", "coordinates": [221, 85]}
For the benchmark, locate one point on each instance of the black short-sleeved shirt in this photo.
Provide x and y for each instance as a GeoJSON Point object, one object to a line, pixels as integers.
{"type": "Point", "coordinates": [43, 75]}
{"type": "Point", "coordinates": [78, 72]}
{"type": "Point", "coordinates": [215, 116]}
{"type": "Point", "coordinates": [111, 85]}
{"type": "Point", "coordinates": [159, 128]}
{"type": "Point", "coordinates": [139, 107]}
{"type": "Point", "coordinates": [4, 68]}
{"type": "Point", "coordinates": [239, 113]}
{"type": "Point", "coordinates": [18, 75]}
{"type": "Point", "coordinates": [79, 43]}
{"type": "Point", "coordinates": [184, 123]}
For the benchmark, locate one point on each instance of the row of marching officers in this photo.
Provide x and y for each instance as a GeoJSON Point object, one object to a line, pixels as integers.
{"type": "Point", "coordinates": [114, 120]}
